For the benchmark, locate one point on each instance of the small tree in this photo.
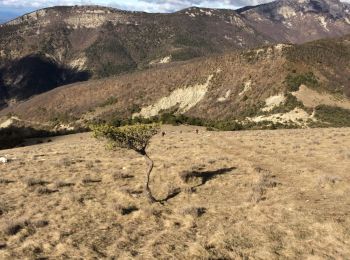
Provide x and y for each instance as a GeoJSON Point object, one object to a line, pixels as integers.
{"type": "Point", "coordinates": [135, 137]}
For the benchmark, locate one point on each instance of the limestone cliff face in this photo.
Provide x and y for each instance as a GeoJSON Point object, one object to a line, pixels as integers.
{"type": "Point", "coordinates": [75, 17]}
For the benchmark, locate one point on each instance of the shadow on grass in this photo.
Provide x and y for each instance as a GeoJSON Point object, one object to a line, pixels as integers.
{"type": "Point", "coordinates": [205, 176]}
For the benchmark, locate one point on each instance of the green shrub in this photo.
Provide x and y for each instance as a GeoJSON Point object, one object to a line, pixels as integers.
{"type": "Point", "coordinates": [109, 69]}
{"type": "Point", "coordinates": [109, 101]}
{"type": "Point", "coordinates": [185, 54]}
{"type": "Point", "coordinates": [226, 126]}
{"type": "Point", "coordinates": [294, 81]}
{"type": "Point", "coordinates": [135, 137]}
{"type": "Point", "coordinates": [333, 116]}
{"type": "Point", "coordinates": [64, 118]}
{"type": "Point", "coordinates": [252, 110]}
{"type": "Point", "coordinates": [189, 40]}
{"type": "Point", "coordinates": [291, 102]}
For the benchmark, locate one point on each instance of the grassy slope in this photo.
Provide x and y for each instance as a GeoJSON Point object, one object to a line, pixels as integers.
{"type": "Point", "coordinates": [67, 198]}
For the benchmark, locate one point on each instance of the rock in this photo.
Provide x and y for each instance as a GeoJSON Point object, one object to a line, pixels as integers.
{"type": "Point", "coordinates": [3, 160]}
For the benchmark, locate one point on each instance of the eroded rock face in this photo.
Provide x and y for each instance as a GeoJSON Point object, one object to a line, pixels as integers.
{"type": "Point", "coordinates": [85, 16]}
{"type": "Point", "coordinates": [300, 21]}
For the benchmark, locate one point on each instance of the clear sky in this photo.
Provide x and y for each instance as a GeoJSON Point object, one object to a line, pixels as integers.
{"type": "Point", "coordinates": [12, 8]}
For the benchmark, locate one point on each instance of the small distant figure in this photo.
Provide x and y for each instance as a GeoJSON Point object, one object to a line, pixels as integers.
{"type": "Point", "coordinates": [197, 131]}
{"type": "Point", "coordinates": [163, 134]}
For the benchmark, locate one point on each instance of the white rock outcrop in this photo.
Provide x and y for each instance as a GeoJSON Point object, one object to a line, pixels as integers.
{"type": "Point", "coordinates": [185, 98]}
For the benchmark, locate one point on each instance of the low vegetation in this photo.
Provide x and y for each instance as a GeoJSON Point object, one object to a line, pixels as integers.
{"type": "Point", "coordinates": [294, 81]}
{"type": "Point", "coordinates": [332, 116]}
{"type": "Point", "coordinates": [110, 101]}
{"type": "Point", "coordinates": [230, 124]}
{"type": "Point", "coordinates": [91, 204]}
{"type": "Point", "coordinates": [15, 136]}
{"type": "Point", "coordinates": [290, 103]}
{"type": "Point", "coordinates": [135, 137]}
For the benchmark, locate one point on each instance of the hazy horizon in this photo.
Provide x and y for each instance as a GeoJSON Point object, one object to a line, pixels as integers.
{"type": "Point", "coordinates": [10, 9]}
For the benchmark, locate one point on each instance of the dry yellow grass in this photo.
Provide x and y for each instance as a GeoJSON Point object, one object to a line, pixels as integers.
{"type": "Point", "coordinates": [254, 194]}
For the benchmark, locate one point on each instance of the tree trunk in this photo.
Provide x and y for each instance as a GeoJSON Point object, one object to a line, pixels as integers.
{"type": "Point", "coordinates": [147, 188]}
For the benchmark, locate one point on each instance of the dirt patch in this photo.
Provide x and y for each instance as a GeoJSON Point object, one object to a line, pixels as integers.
{"type": "Point", "coordinates": [297, 115]}
{"type": "Point", "coordinates": [312, 98]}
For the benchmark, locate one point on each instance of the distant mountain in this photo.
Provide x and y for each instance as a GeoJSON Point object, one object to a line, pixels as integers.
{"type": "Point", "coordinates": [102, 42]}
{"type": "Point", "coordinates": [107, 41]}
{"type": "Point", "coordinates": [299, 21]}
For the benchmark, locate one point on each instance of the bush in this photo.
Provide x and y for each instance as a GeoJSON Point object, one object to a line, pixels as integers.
{"type": "Point", "coordinates": [185, 54]}
{"type": "Point", "coordinates": [334, 116]}
{"type": "Point", "coordinates": [294, 81]}
{"type": "Point", "coordinates": [290, 103]}
{"type": "Point", "coordinates": [109, 101]}
{"type": "Point", "coordinates": [226, 126]}
{"type": "Point", "coordinates": [135, 137]}
{"type": "Point", "coordinates": [211, 125]}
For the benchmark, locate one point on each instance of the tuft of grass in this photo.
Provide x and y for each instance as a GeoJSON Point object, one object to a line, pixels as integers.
{"type": "Point", "coordinates": [126, 210]}
{"type": "Point", "coordinates": [110, 101]}
{"type": "Point", "coordinates": [35, 182]}
{"type": "Point", "coordinates": [6, 181]}
{"type": "Point", "coordinates": [41, 223]}
{"type": "Point", "coordinates": [266, 181]}
{"type": "Point", "coordinates": [328, 180]}
{"type": "Point", "coordinates": [194, 211]}
{"type": "Point", "coordinates": [62, 184]}
{"type": "Point", "coordinates": [90, 180]}
{"type": "Point", "coordinates": [15, 227]}
{"type": "Point", "coordinates": [64, 162]}
{"type": "Point", "coordinates": [89, 165]}
{"type": "Point", "coordinates": [45, 191]}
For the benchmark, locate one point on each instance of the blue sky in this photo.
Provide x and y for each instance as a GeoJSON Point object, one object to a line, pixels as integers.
{"type": "Point", "coordinates": [12, 8]}
{"type": "Point", "coordinates": [18, 7]}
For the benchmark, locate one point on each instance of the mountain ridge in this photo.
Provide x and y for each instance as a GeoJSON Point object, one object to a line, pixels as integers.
{"type": "Point", "coordinates": [259, 85]}
{"type": "Point", "coordinates": [104, 41]}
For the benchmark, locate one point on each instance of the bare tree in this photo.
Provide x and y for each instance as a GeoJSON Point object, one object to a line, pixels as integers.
{"type": "Point", "coordinates": [135, 137]}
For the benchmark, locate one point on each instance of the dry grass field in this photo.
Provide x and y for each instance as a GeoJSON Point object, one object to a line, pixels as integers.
{"type": "Point", "coordinates": [280, 194]}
